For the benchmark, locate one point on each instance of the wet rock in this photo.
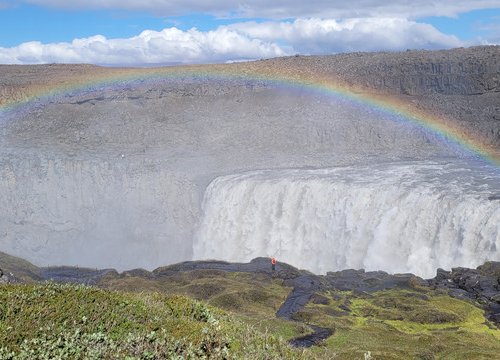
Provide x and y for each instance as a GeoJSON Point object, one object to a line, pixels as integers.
{"type": "Point", "coordinates": [319, 334]}
{"type": "Point", "coordinates": [490, 268]}
{"type": "Point", "coordinates": [442, 274]}
{"type": "Point", "coordinates": [257, 265]}
{"type": "Point", "coordinates": [345, 307]}
{"type": "Point", "coordinates": [294, 302]}
{"type": "Point", "coordinates": [481, 285]}
{"type": "Point", "coordinates": [460, 294]}
{"type": "Point", "coordinates": [319, 299]}
{"type": "Point", "coordinates": [359, 280]}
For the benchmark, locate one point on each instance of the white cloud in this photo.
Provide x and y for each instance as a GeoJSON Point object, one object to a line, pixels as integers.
{"type": "Point", "coordinates": [239, 41]}
{"type": "Point", "coordinates": [150, 47]}
{"type": "Point", "coordinates": [285, 8]}
{"type": "Point", "coordinates": [320, 36]}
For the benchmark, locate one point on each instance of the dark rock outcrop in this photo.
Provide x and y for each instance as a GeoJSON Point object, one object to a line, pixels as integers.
{"type": "Point", "coordinates": [481, 285]}
{"type": "Point", "coordinates": [304, 287]}
{"type": "Point", "coordinates": [304, 290]}
{"type": "Point", "coordinates": [461, 84]}
{"type": "Point", "coordinates": [464, 71]}
{"type": "Point", "coordinates": [319, 334]}
{"type": "Point", "coordinates": [257, 265]}
{"type": "Point", "coordinates": [361, 281]}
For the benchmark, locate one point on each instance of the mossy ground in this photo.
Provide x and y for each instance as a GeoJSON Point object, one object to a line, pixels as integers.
{"type": "Point", "coordinates": [391, 324]}
{"type": "Point", "coordinates": [77, 322]}
{"type": "Point", "coordinates": [219, 314]}
{"type": "Point", "coordinates": [253, 298]}
{"type": "Point", "coordinates": [400, 324]}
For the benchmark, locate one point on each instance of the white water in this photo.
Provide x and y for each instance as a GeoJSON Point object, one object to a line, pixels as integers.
{"type": "Point", "coordinates": [399, 218]}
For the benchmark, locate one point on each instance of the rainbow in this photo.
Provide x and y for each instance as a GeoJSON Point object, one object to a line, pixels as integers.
{"type": "Point", "coordinates": [294, 77]}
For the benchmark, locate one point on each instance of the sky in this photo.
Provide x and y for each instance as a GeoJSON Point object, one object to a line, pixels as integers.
{"type": "Point", "coordinates": [158, 32]}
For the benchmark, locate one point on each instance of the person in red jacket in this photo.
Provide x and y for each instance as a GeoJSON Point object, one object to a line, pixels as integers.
{"type": "Point", "coordinates": [273, 263]}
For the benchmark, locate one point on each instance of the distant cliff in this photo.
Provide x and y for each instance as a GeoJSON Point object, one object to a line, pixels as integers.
{"type": "Point", "coordinates": [471, 71]}
{"type": "Point", "coordinates": [463, 84]}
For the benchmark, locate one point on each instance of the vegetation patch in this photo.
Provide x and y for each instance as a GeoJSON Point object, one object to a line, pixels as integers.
{"type": "Point", "coordinates": [78, 322]}
{"type": "Point", "coordinates": [143, 316]}
{"type": "Point", "coordinates": [402, 324]}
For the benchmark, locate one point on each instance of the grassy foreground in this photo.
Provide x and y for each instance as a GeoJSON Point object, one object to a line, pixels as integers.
{"type": "Point", "coordinates": [216, 314]}
{"type": "Point", "coordinates": [52, 321]}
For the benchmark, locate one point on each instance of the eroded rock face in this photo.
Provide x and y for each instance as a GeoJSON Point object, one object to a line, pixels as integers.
{"type": "Point", "coordinates": [470, 71]}
{"type": "Point", "coordinates": [97, 182]}
{"type": "Point", "coordinates": [115, 176]}
{"type": "Point", "coordinates": [93, 212]}
{"type": "Point", "coordinates": [462, 84]}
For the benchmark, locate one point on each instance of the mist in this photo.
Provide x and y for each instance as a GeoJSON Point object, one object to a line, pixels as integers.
{"type": "Point", "coordinates": [116, 178]}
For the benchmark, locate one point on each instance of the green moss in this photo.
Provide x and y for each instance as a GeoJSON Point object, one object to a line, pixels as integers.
{"type": "Point", "coordinates": [392, 324]}
{"type": "Point", "coordinates": [204, 291]}
{"type": "Point", "coordinates": [72, 322]}
{"type": "Point", "coordinates": [249, 294]}
{"type": "Point", "coordinates": [228, 301]}
{"type": "Point", "coordinates": [397, 324]}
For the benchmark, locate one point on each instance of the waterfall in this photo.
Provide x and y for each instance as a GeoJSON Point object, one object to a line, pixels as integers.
{"type": "Point", "coordinates": [412, 217]}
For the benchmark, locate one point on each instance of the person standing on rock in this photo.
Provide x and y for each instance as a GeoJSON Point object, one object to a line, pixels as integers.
{"type": "Point", "coordinates": [273, 263]}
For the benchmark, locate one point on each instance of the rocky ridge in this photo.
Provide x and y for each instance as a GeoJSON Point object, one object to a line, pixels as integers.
{"type": "Point", "coordinates": [480, 286]}
{"type": "Point", "coordinates": [462, 84]}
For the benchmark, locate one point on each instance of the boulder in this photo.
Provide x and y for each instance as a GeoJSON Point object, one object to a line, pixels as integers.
{"type": "Point", "coordinates": [481, 285]}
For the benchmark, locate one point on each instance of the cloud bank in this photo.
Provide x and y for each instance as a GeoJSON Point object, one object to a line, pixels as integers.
{"type": "Point", "coordinates": [238, 41]}
{"type": "Point", "coordinates": [283, 9]}
{"type": "Point", "coordinates": [169, 46]}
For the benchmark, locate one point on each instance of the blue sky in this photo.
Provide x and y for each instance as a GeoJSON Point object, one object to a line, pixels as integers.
{"type": "Point", "coordinates": [30, 23]}
{"type": "Point", "coordinates": [472, 25]}
{"type": "Point", "coordinates": [159, 32]}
